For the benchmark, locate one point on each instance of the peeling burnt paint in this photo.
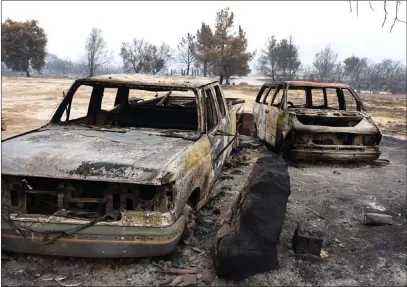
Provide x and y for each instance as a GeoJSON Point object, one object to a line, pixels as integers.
{"type": "Point", "coordinates": [99, 168]}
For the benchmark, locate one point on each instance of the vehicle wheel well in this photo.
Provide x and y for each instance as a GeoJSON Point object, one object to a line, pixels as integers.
{"type": "Point", "coordinates": [194, 198]}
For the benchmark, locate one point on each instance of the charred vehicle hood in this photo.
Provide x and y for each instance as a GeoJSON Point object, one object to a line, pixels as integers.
{"type": "Point", "coordinates": [133, 156]}
{"type": "Point", "coordinates": [311, 120]}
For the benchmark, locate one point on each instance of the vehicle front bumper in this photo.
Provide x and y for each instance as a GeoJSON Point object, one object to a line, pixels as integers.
{"type": "Point", "coordinates": [335, 152]}
{"type": "Point", "coordinates": [95, 241]}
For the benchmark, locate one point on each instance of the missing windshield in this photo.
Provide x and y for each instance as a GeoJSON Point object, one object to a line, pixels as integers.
{"type": "Point", "coordinates": [104, 106]}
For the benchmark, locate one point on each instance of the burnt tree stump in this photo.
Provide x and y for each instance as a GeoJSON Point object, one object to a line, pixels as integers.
{"type": "Point", "coordinates": [246, 243]}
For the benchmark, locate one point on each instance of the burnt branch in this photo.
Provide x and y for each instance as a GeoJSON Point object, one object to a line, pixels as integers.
{"type": "Point", "coordinates": [396, 18]}
{"type": "Point", "coordinates": [357, 8]}
{"type": "Point", "coordinates": [385, 13]}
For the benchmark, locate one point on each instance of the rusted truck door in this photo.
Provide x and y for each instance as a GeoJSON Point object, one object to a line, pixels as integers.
{"type": "Point", "coordinates": [215, 124]}
{"type": "Point", "coordinates": [226, 122]}
{"type": "Point", "coordinates": [263, 110]}
{"type": "Point", "coordinates": [258, 104]}
{"type": "Point", "coordinates": [274, 115]}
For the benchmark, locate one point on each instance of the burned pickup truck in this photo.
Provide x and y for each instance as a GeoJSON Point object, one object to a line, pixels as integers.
{"type": "Point", "coordinates": [315, 121]}
{"type": "Point", "coordinates": [119, 169]}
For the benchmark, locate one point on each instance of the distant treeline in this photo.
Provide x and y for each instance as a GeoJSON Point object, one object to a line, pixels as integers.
{"type": "Point", "coordinates": [220, 51]}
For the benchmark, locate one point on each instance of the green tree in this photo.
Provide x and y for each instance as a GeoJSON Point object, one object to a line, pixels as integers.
{"type": "Point", "coordinates": [237, 58]}
{"type": "Point", "coordinates": [23, 45]}
{"type": "Point", "coordinates": [222, 38]}
{"type": "Point", "coordinates": [204, 47]}
{"type": "Point", "coordinates": [287, 59]}
{"type": "Point", "coordinates": [186, 50]}
{"type": "Point", "coordinates": [231, 56]}
{"type": "Point", "coordinates": [268, 58]}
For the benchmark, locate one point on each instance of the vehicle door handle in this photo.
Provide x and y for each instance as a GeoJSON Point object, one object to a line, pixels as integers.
{"type": "Point", "coordinates": [266, 111]}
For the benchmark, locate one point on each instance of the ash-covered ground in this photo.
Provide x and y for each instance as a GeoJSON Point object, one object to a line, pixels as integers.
{"type": "Point", "coordinates": [329, 197]}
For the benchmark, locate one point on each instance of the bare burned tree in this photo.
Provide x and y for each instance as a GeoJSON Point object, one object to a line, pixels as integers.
{"type": "Point", "coordinates": [325, 64]}
{"type": "Point", "coordinates": [385, 5]}
{"type": "Point", "coordinates": [160, 56]}
{"type": "Point", "coordinates": [96, 50]}
{"type": "Point", "coordinates": [267, 61]}
{"type": "Point", "coordinates": [143, 57]}
{"type": "Point", "coordinates": [136, 55]}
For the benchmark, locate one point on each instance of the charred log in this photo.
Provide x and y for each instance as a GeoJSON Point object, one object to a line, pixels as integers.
{"type": "Point", "coordinates": [247, 240]}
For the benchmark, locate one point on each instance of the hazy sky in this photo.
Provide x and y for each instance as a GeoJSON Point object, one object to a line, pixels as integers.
{"type": "Point", "coordinates": [313, 25]}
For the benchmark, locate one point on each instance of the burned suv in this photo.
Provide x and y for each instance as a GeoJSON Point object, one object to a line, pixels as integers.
{"type": "Point", "coordinates": [315, 121]}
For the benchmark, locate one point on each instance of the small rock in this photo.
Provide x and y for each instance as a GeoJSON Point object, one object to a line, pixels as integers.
{"type": "Point", "coordinates": [47, 277]}
{"type": "Point", "coordinates": [207, 277]}
{"type": "Point", "coordinates": [207, 263]}
{"type": "Point", "coordinates": [168, 279]}
{"type": "Point", "coordinates": [60, 277]}
{"type": "Point", "coordinates": [33, 273]}
{"type": "Point", "coordinates": [69, 282]}
{"type": "Point", "coordinates": [336, 172]}
{"type": "Point", "coordinates": [177, 280]}
{"type": "Point", "coordinates": [337, 240]}
{"type": "Point", "coordinates": [181, 271]}
{"type": "Point", "coordinates": [197, 250]}
{"type": "Point", "coordinates": [341, 245]}
{"type": "Point", "coordinates": [324, 254]}
{"type": "Point", "coordinates": [165, 281]}
{"type": "Point", "coordinates": [152, 268]}
{"type": "Point", "coordinates": [207, 220]}
{"type": "Point", "coordinates": [189, 278]}
{"type": "Point", "coordinates": [187, 241]}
